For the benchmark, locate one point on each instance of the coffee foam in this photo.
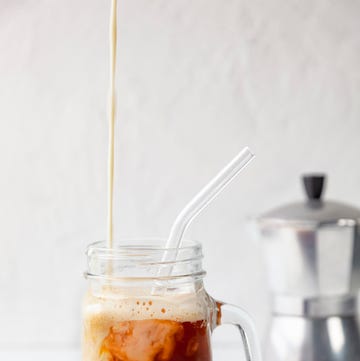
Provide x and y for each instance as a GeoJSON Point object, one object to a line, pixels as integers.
{"type": "Point", "coordinates": [180, 308]}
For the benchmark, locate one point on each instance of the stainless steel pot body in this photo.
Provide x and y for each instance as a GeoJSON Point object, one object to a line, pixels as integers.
{"type": "Point", "coordinates": [312, 254]}
{"type": "Point", "coordinates": [323, 339]}
{"type": "Point", "coordinates": [307, 262]}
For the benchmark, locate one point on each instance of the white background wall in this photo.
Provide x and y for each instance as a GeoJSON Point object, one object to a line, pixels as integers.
{"type": "Point", "coordinates": [197, 81]}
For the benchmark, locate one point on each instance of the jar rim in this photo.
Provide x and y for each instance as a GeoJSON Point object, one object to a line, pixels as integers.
{"type": "Point", "coordinates": [138, 244]}
{"type": "Point", "coordinates": [142, 258]}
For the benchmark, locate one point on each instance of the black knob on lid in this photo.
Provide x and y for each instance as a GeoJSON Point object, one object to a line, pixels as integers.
{"type": "Point", "coordinates": [314, 185]}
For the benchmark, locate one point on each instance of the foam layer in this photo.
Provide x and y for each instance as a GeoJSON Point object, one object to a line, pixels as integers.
{"type": "Point", "coordinates": [179, 308]}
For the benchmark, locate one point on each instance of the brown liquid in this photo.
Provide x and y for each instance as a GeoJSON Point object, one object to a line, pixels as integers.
{"type": "Point", "coordinates": [157, 340]}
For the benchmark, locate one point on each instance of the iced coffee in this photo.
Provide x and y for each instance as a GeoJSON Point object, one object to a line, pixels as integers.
{"type": "Point", "coordinates": [133, 312]}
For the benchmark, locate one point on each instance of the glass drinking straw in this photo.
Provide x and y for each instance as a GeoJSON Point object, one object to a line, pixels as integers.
{"type": "Point", "coordinates": [199, 202]}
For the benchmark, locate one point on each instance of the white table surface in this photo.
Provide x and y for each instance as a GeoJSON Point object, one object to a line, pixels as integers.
{"type": "Point", "coordinates": [228, 352]}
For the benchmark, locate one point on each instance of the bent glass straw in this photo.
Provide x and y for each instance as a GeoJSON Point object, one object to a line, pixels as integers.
{"type": "Point", "coordinates": [199, 202]}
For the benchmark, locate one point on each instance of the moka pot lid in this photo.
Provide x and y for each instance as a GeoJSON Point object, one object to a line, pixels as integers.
{"type": "Point", "coordinates": [314, 210]}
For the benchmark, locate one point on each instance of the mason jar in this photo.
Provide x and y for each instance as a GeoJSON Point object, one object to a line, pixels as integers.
{"type": "Point", "coordinates": [140, 308]}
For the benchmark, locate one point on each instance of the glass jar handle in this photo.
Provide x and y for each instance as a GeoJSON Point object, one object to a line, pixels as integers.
{"type": "Point", "coordinates": [233, 315]}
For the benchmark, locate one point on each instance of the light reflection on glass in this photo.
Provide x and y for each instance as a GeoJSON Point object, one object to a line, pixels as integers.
{"type": "Point", "coordinates": [336, 334]}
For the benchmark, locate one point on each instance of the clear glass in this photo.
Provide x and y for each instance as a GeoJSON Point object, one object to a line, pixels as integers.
{"type": "Point", "coordinates": [131, 313]}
